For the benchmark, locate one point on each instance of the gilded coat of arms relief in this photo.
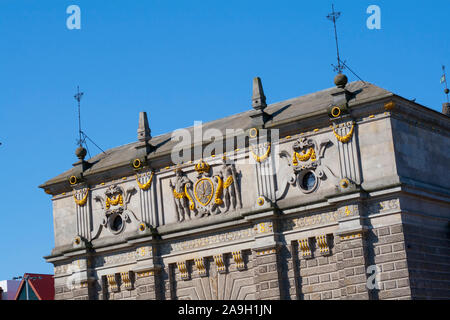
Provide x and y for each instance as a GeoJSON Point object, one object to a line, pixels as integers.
{"type": "Point", "coordinates": [209, 194]}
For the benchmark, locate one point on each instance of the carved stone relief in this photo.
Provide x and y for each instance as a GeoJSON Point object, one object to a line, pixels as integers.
{"type": "Point", "coordinates": [209, 194]}
{"type": "Point", "coordinates": [116, 214]}
{"type": "Point", "coordinates": [202, 242]}
{"type": "Point", "coordinates": [182, 195]}
{"type": "Point", "coordinates": [305, 165]}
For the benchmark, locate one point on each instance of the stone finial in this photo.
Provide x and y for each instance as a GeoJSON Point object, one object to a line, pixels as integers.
{"type": "Point", "coordinates": [340, 80]}
{"type": "Point", "coordinates": [81, 152]}
{"type": "Point", "coordinates": [144, 133]}
{"type": "Point", "coordinates": [258, 98]}
{"type": "Point", "coordinates": [446, 109]}
{"type": "Point", "coordinates": [81, 165]}
{"type": "Point", "coordinates": [341, 96]}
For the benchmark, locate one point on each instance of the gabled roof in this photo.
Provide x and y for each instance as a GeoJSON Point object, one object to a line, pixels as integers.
{"type": "Point", "coordinates": [43, 288]}
{"type": "Point", "coordinates": [304, 106]}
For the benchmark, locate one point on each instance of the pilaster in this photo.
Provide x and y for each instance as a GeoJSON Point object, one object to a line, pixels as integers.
{"type": "Point", "coordinates": [352, 256]}
{"type": "Point", "coordinates": [148, 274]}
{"type": "Point", "coordinates": [267, 251]}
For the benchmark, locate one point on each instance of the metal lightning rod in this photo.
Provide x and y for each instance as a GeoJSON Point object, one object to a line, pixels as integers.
{"type": "Point", "coordinates": [82, 135]}
{"type": "Point", "coordinates": [444, 80]}
{"type": "Point", "coordinates": [333, 16]}
{"type": "Point", "coordinates": [78, 97]}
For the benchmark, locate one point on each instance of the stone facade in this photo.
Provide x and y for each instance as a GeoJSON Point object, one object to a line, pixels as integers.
{"type": "Point", "coordinates": [350, 199]}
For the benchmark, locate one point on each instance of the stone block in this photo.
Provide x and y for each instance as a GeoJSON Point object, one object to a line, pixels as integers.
{"type": "Point", "coordinates": [327, 295]}
{"type": "Point", "coordinates": [387, 267]}
{"type": "Point", "coordinates": [356, 279]}
{"type": "Point", "coordinates": [349, 272]}
{"type": "Point", "coordinates": [360, 270]}
{"type": "Point", "coordinates": [322, 261]}
{"type": "Point", "coordinates": [395, 293]}
{"type": "Point", "coordinates": [393, 238]}
{"type": "Point", "coordinates": [267, 276]}
{"type": "Point", "coordinates": [354, 262]}
{"type": "Point", "coordinates": [336, 294]}
{"type": "Point", "coordinates": [146, 296]}
{"type": "Point", "coordinates": [359, 296]}
{"type": "Point", "coordinates": [261, 260]}
{"type": "Point", "coordinates": [358, 252]}
{"type": "Point", "coordinates": [361, 288]}
{"type": "Point", "coordinates": [315, 296]}
{"type": "Point", "coordinates": [314, 279]}
{"type": "Point", "coordinates": [398, 247]}
{"type": "Point", "coordinates": [390, 257]}
{"type": "Point", "coordinates": [142, 289]}
{"type": "Point", "coordinates": [270, 294]}
{"type": "Point", "coordinates": [386, 249]}
{"type": "Point", "coordinates": [264, 286]}
{"type": "Point", "coordinates": [348, 254]}
{"type": "Point", "coordinates": [351, 290]}
{"type": "Point", "coordinates": [325, 278]}
{"type": "Point", "coordinates": [389, 285]}
{"type": "Point", "coordinates": [396, 229]}
{"type": "Point", "coordinates": [311, 263]}
{"type": "Point", "coordinates": [273, 284]}
{"type": "Point", "coordinates": [402, 283]}
{"type": "Point", "coordinates": [399, 274]}
{"type": "Point", "coordinates": [272, 267]}
{"type": "Point", "coordinates": [401, 265]}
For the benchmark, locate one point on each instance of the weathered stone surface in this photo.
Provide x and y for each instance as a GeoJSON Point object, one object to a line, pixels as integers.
{"type": "Point", "coordinates": [377, 213]}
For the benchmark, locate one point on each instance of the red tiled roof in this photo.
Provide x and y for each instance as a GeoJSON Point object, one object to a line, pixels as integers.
{"type": "Point", "coordinates": [43, 288]}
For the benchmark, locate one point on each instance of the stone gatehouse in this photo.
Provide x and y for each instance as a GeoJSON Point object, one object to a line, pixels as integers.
{"type": "Point", "coordinates": [339, 194]}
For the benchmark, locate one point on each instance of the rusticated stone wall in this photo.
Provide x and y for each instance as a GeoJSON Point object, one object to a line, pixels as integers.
{"type": "Point", "coordinates": [387, 257]}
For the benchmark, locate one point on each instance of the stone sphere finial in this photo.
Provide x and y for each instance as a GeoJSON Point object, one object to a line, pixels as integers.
{"type": "Point", "coordinates": [340, 80]}
{"type": "Point", "coordinates": [80, 152]}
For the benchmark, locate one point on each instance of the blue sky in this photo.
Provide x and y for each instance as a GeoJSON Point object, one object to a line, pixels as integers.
{"type": "Point", "coordinates": [180, 61]}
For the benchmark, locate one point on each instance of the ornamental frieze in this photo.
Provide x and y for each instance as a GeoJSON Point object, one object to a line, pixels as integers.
{"type": "Point", "coordinates": [62, 269]}
{"type": "Point", "coordinates": [114, 259]}
{"type": "Point", "coordinates": [313, 219]}
{"type": "Point", "coordinates": [382, 206]}
{"type": "Point", "coordinates": [209, 240]}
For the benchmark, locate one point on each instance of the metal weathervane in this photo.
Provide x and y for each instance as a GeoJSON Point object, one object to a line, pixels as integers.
{"type": "Point", "coordinates": [78, 97]}
{"type": "Point", "coordinates": [333, 16]}
{"type": "Point", "coordinates": [444, 80]}
{"type": "Point", "coordinates": [83, 136]}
